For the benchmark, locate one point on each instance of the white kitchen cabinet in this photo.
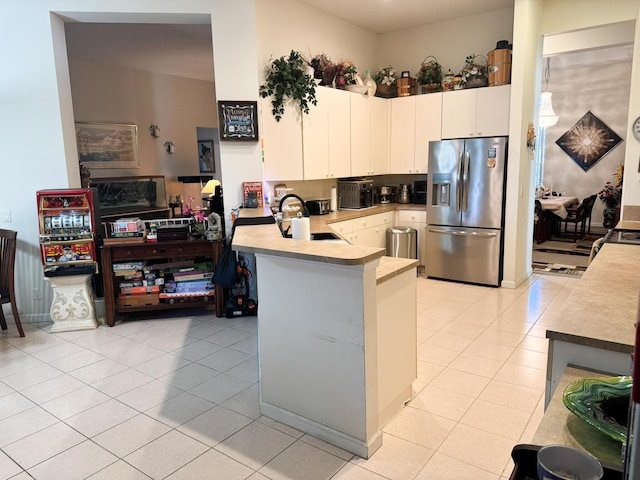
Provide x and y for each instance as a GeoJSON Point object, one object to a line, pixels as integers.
{"type": "Point", "coordinates": [379, 130]}
{"type": "Point", "coordinates": [326, 136]}
{"type": "Point", "coordinates": [428, 128]}
{"type": "Point", "coordinates": [282, 143]}
{"type": "Point", "coordinates": [403, 135]}
{"type": "Point", "coordinates": [416, 219]}
{"type": "Point", "coordinates": [415, 121]}
{"type": "Point", "coordinates": [369, 135]}
{"type": "Point", "coordinates": [478, 112]}
{"type": "Point", "coordinates": [367, 231]}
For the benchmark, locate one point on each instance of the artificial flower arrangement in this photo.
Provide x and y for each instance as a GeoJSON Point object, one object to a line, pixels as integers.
{"type": "Point", "coordinates": [197, 214]}
{"type": "Point", "coordinates": [542, 191]}
{"type": "Point", "coordinates": [347, 75]}
{"type": "Point", "coordinates": [324, 69]}
{"type": "Point", "coordinates": [386, 76]}
{"type": "Point", "coordinates": [611, 194]}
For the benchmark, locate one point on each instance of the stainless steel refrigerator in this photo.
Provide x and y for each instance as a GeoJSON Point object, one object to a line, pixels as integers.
{"type": "Point", "coordinates": [465, 210]}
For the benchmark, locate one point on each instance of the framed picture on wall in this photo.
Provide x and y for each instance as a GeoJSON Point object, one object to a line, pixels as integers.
{"type": "Point", "coordinates": [107, 145]}
{"type": "Point", "coordinates": [206, 157]}
{"type": "Point", "coordinates": [588, 140]}
{"type": "Point", "coordinates": [238, 120]}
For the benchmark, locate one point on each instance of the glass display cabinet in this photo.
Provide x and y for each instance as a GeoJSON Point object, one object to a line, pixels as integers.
{"type": "Point", "coordinates": [140, 196]}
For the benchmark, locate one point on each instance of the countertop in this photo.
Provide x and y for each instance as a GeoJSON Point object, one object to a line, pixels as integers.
{"type": "Point", "coordinates": [601, 310]}
{"type": "Point", "coordinates": [267, 239]}
{"type": "Point", "coordinates": [575, 432]}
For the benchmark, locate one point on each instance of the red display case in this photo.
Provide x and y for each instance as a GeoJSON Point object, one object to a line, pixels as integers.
{"type": "Point", "coordinates": [69, 227]}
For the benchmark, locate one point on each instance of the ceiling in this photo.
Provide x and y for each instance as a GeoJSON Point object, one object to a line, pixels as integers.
{"type": "Point", "coordinates": [185, 50]}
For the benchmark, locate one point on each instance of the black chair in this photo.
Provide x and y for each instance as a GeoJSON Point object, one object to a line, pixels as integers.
{"type": "Point", "coordinates": [7, 265]}
{"type": "Point", "coordinates": [580, 215]}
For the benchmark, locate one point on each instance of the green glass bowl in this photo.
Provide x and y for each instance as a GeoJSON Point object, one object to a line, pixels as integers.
{"type": "Point", "coordinates": [601, 402]}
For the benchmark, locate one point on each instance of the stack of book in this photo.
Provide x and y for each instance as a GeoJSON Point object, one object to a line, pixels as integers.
{"type": "Point", "coordinates": [135, 286]}
{"type": "Point", "coordinates": [189, 283]}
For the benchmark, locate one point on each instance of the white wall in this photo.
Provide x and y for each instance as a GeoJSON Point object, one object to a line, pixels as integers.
{"type": "Point", "coordinates": [103, 93]}
{"type": "Point", "coordinates": [285, 25]}
{"type": "Point", "coordinates": [603, 90]}
{"type": "Point", "coordinates": [450, 42]}
{"type": "Point", "coordinates": [567, 15]}
{"type": "Point", "coordinates": [37, 118]}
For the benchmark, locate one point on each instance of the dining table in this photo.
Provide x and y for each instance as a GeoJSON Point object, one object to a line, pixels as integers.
{"type": "Point", "coordinates": [558, 205]}
{"type": "Point", "coordinates": [554, 210]}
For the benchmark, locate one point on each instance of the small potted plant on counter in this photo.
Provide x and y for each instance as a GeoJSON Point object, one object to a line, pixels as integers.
{"type": "Point", "coordinates": [286, 80]}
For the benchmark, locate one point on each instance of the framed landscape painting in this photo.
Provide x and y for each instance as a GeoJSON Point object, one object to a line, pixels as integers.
{"type": "Point", "coordinates": [107, 145]}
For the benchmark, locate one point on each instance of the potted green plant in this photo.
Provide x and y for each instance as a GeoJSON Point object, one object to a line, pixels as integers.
{"type": "Point", "coordinates": [430, 75]}
{"type": "Point", "coordinates": [385, 79]}
{"type": "Point", "coordinates": [286, 80]}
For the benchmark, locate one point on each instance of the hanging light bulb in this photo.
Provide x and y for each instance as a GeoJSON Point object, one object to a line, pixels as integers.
{"type": "Point", "coordinates": [546, 116]}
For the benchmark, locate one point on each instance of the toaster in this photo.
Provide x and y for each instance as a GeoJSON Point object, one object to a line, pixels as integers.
{"type": "Point", "coordinates": [318, 207]}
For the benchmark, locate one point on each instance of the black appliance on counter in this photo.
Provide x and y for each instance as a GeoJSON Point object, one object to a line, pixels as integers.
{"type": "Point", "coordinates": [318, 207]}
{"type": "Point", "coordinates": [356, 193]}
{"type": "Point", "coordinates": [420, 192]}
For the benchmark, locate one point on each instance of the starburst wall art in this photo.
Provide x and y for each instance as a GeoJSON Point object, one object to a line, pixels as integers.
{"type": "Point", "coordinates": [588, 141]}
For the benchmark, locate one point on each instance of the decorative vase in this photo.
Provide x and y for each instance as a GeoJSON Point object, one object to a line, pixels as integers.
{"type": "Point", "coordinates": [371, 85]}
{"type": "Point", "coordinates": [447, 81]}
{"type": "Point", "coordinates": [196, 230]}
{"type": "Point", "coordinates": [610, 217]}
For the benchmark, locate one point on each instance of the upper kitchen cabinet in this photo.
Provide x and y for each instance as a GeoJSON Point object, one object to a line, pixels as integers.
{"type": "Point", "coordinates": [415, 121]}
{"type": "Point", "coordinates": [369, 135]}
{"type": "Point", "coordinates": [282, 143]}
{"type": "Point", "coordinates": [326, 136]}
{"type": "Point", "coordinates": [428, 127]}
{"type": "Point", "coordinates": [478, 112]}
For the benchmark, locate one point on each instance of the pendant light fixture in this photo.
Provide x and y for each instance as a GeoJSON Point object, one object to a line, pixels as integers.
{"type": "Point", "coordinates": [546, 115]}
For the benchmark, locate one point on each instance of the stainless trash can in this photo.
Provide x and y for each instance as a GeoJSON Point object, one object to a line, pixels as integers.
{"type": "Point", "coordinates": [402, 242]}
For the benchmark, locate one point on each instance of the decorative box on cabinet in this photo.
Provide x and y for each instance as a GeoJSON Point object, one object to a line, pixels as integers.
{"type": "Point", "coordinates": [477, 112]}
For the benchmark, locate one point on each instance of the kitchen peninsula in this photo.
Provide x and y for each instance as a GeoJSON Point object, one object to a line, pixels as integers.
{"type": "Point", "coordinates": [336, 334]}
{"type": "Point", "coordinates": [595, 328]}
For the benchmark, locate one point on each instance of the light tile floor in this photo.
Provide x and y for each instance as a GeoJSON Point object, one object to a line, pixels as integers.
{"type": "Point", "coordinates": [177, 398]}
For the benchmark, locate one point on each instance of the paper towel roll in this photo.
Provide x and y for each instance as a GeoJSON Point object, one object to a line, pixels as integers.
{"type": "Point", "coordinates": [334, 199]}
{"type": "Point", "coordinates": [301, 228]}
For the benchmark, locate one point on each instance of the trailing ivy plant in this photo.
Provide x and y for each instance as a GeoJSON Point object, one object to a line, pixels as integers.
{"type": "Point", "coordinates": [286, 79]}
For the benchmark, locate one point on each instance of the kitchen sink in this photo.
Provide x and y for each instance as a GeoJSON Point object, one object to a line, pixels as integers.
{"type": "Point", "coordinates": [320, 236]}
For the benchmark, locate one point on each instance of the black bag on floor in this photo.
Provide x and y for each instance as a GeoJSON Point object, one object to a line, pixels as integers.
{"type": "Point", "coordinates": [226, 271]}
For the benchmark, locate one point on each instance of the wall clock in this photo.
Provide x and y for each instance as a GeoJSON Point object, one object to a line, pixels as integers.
{"type": "Point", "coordinates": [636, 129]}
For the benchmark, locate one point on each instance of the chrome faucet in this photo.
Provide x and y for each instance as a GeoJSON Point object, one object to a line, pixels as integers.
{"type": "Point", "coordinates": [279, 215]}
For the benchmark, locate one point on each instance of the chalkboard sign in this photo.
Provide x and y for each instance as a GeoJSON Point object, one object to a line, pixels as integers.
{"type": "Point", "coordinates": [238, 120]}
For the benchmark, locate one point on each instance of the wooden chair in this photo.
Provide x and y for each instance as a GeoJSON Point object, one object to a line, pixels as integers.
{"type": "Point", "coordinates": [580, 215]}
{"type": "Point", "coordinates": [7, 266]}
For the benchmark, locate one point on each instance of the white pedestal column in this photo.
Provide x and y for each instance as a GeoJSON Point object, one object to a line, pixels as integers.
{"type": "Point", "coordinates": [72, 307]}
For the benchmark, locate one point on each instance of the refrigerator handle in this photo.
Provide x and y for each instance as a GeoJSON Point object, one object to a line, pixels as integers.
{"type": "Point", "coordinates": [465, 181]}
{"type": "Point", "coordinates": [459, 184]}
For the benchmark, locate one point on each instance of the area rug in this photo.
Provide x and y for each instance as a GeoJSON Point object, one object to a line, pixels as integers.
{"type": "Point", "coordinates": [574, 271]}
{"type": "Point", "coordinates": [563, 258]}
